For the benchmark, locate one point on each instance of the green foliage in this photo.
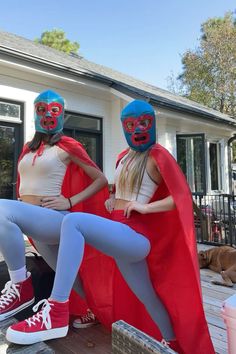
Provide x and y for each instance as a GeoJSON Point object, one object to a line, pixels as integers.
{"type": "Point", "coordinates": [56, 39]}
{"type": "Point", "coordinates": [209, 72]}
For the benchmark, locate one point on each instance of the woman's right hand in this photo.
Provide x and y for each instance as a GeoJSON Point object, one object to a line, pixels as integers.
{"type": "Point", "coordinates": [57, 203]}
{"type": "Point", "coordinates": [110, 203]}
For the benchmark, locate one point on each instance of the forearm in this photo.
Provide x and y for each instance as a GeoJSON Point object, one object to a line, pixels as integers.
{"type": "Point", "coordinates": [165, 204]}
{"type": "Point", "coordinates": [92, 189]}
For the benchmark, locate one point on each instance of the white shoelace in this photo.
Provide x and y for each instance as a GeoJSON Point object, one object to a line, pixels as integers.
{"type": "Point", "coordinates": [44, 314]}
{"type": "Point", "coordinates": [10, 292]}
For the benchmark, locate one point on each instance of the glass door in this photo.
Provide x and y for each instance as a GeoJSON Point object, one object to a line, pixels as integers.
{"type": "Point", "coordinates": [91, 143]}
{"type": "Point", "coordinates": [10, 147]}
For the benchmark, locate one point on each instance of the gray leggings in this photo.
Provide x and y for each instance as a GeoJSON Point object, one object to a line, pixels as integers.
{"type": "Point", "coordinates": [126, 246]}
{"type": "Point", "coordinates": [42, 224]}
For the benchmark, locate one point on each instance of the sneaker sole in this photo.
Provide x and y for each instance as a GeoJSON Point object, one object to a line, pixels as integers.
{"type": "Point", "coordinates": [6, 315]}
{"type": "Point", "coordinates": [86, 325]}
{"type": "Point", "coordinates": [23, 338]}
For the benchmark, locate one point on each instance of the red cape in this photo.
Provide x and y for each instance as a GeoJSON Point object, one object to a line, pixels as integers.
{"type": "Point", "coordinates": [76, 180]}
{"type": "Point", "coordinates": [172, 264]}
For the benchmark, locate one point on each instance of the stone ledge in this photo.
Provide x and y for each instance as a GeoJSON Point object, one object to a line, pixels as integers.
{"type": "Point", "coordinates": [127, 339]}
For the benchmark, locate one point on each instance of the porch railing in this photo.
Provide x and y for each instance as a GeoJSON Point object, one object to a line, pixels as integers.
{"type": "Point", "coordinates": [215, 219]}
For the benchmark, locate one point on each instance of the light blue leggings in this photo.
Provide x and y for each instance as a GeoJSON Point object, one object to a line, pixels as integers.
{"type": "Point", "coordinates": [42, 224]}
{"type": "Point", "coordinates": [126, 246]}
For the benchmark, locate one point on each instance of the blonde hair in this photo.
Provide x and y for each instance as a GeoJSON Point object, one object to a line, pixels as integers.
{"type": "Point", "coordinates": [131, 175]}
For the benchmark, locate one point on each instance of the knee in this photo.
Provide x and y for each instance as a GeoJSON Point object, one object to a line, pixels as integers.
{"type": "Point", "coordinates": [146, 247]}
{"type": "Point", "coordinates": [3, 206]}
{"type": "Point", "coordinates": [136, 252]}
{"type": "Point", "coordinates": [7, 230]}
{"type": "Point", "coordinates": [70, 220]}
{"type": "Point", "coordinates": [5, 216]}
{"type": "Point", "coordinates": [71, 226]}
{"type": "Point", "coordinates": [142, 249]}
{"type": "Point", "coordinates": [5, 224]}
{"type": "Point", "coordinates": [5, 210]}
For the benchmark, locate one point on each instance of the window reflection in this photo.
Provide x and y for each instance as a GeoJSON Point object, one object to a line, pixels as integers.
{"type": "Point", "coordinates": [7, 146]}
{"type": "Point", "coordinates": [9, 110]}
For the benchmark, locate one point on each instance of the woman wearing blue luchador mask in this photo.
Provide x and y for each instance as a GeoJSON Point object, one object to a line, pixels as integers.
{"type": "Point", "coordinates": [139, 125]}
{"type": "Point", "coordinates": [55, 176]}
{"type": "Point", "coordinates": [49, 113]}
{"type": "Point", "coordinates": [150, 237]}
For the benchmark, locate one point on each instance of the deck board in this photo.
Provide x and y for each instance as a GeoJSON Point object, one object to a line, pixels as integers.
{"type": "Point", "coordinates": [93, 340]}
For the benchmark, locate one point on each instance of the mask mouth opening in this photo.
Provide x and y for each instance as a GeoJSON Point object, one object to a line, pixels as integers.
{"type": "Point", "coordinates": [48, 123]}
{"type": "Point", "coordinates": [140, 138]}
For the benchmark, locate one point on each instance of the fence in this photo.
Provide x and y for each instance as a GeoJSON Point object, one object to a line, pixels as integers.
{"type": "Point", "coordinates": [215, 217]}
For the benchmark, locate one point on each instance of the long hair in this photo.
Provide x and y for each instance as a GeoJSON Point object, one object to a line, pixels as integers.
{"type": "Point", "coordinates": [131, 175]}
{"type": "Point", "coordinates": [50, 139]}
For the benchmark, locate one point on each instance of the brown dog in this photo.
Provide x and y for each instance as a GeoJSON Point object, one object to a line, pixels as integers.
{"type": "Point", "coordinates": [221, 260]}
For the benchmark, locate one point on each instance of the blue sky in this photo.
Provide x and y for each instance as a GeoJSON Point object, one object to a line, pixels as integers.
{"type": "Point", "coordinates": [142, 38]}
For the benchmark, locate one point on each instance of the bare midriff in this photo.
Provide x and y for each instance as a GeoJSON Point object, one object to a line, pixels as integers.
{"type": "Point", "coordinates": [120, 204]}
{"type": "Point", "coordinates": [33, 199]}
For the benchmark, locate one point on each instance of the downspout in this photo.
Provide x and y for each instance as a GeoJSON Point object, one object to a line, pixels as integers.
{"type": "Point", "coordinates": [233, 138]}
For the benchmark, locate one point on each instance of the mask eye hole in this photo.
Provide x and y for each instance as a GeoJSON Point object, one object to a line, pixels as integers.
{"type": "Point", "coordinates": [144, 123]}
{"type": "Point", "coordinates": [55, 109]}
{"type": "Point", "coordinates": [41, 109]}
{"type": "Point", "coordinates": [130, 125]}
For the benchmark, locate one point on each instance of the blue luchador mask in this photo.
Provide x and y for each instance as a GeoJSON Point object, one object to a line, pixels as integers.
{"type": "Point", "coordinates": [49, 112]}
{"type": "Point", "coordinates": [139, 125]}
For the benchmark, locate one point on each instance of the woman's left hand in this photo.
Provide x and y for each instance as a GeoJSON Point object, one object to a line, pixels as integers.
{"type": "Point", "coordinates": [135, 206]}
{"type": "Point", "coordinates": [57, 203]}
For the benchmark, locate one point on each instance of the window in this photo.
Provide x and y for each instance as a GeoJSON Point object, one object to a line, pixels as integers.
{"type": "Point", "coordinates": [10, 111]}
{"type": "Point", "coordinates": [88, 131]}
{"type": "Point", "coordinates": [214, 164]}
{"type": "Point", "coordinates": [191, 158]}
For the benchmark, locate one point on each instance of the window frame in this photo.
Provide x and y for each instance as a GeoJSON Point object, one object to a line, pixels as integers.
{"type": "Point", "coordinates": [219, 164]}
{"type": "Point", "coordinates": [203, 165]}
{"type": "Point", "coordinates": [88, 132]}
{"type": "Point", "coordinates": [18, 125]}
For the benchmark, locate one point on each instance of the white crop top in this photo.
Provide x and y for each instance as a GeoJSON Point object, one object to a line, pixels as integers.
{"type": "Point", "coordinates": [45, 176]}
{"type": "Point", "coordinates": [146, 191]}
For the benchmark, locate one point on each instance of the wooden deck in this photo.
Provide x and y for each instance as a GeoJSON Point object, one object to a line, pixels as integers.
{"type": "Point", "coordinates": [97, 340]}
{"type": "Point", "coordinates": [213, 297]}
{"type": "Point", "coordinates": [93, 340]}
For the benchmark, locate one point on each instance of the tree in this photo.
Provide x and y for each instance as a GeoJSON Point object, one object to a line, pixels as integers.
{"type": "Point", "coordinates": [209, 72]}
{"type": "Point", "coordinates": [56, 39]}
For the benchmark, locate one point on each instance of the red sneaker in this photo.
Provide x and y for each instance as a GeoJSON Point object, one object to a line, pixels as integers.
{"type": "Point", "coordinates": [49, 323]}
{"type": "Point", "coordinates": [85, 321]}
{"type": "Point", "coordinates": [16, 297]}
